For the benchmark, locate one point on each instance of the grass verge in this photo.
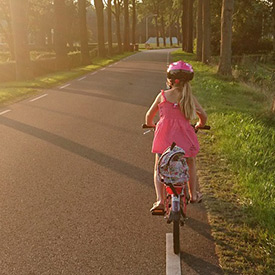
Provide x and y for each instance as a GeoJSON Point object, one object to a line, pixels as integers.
{"type": "Point", "coordinates": [239, 171]}
{"type": "Point", "coordinates": [11, 92]}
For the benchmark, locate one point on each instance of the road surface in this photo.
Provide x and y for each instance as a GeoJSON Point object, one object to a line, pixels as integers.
{"type": "Point", "coordinates": [76, 180]}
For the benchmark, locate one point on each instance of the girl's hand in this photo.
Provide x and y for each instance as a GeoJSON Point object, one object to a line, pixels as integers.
{"type": "Point", "coordinates": [198, 125]}
{"type": "Point", "coordinates": [150, 124]}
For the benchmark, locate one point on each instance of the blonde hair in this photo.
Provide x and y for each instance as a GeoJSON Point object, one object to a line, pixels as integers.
{"type": "Point", "coordinates": [185, 100]}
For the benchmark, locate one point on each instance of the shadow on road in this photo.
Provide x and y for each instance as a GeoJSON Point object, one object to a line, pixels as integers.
{"type": "Point", "coordinates": [102, 159]}
{"type": "Point", "coordinates": [200, 266]}
{"type": "Point", "coordinates": [200, 227]}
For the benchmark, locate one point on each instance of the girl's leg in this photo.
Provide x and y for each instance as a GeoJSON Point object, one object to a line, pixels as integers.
{"type": "Point", "coordinates": [158, 185]}
{"type": "Point", "coordinates": [193, 178]}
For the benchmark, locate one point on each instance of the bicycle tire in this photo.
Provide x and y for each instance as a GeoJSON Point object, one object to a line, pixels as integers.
{"type": "Point", "coordinates": [176, 236]}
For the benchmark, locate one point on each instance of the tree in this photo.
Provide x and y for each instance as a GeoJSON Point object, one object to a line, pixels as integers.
{"type": "Point", "coordinates": [134, 22]}
{"type": "Point", "coordinates": [184, 24]}
{"type": "Point", "coordinates": [126, 44]}
{"type": "Point", "coordinates": [226, 38]}
{"type": "Point", "coordinates": [110, 41]}
{"type": "Point", "coordinates": [150, 9]}
{"type": "Point", "coordinates": [163, 29]}
{"type": "Point", "coordinates": [206, 31]}
{"type": "Point", "coordinates": [177, 14]}
{"type": "Point", "coordinates": [5, 25]}
{"type": "Point", "coordinates": [116, 12]}
{"type": "Point", "coordinates": [19, 21]}
{"type": "Point", "coordinates": [60, 42]}
{"type": "Point", "coordinates": [199, 31]}
{"type": "Point", "coordinates": [189, 44]}
{"type": "Point", "coordinates": [100, 27]}
{"type": "Point", "coordinates": [273, 29]}
{"type": "Point", "coordinates": [83, 32]}
{"type": "Point", "coordinates": [156, 12]}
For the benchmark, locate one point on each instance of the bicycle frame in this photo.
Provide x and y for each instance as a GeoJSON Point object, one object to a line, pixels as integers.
{"type": "Point", "coordinates": [176, 202]}
{"type": "Point", "coordinates": [175, 208]}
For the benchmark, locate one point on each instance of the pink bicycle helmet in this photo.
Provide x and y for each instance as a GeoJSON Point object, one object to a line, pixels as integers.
{"type": "Point", "coordinates": [180, 71]}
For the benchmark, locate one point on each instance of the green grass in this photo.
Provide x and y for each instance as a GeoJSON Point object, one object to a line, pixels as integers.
{"type": "Point", "coordinates": [15, 91]}
{"type": "Point", "coordinates": [241, 192]}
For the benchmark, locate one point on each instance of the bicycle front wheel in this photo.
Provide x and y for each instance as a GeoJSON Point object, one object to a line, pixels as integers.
{"type": "Point", "coordinates": [176, 236]}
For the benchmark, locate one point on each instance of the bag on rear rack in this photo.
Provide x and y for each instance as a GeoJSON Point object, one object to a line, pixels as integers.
{"type": "Point", "coordinates": [172, 166]}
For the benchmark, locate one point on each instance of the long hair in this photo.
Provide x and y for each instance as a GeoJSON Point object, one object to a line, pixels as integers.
{"type": "Point", "coordinates": [185, 99]}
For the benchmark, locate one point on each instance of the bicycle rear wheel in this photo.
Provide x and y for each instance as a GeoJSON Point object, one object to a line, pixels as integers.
{"type": "Point", "coordinates": [176, 236]}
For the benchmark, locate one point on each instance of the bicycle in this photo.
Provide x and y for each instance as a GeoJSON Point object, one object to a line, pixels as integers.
{"type": "Point", "coordinates": [177, 199]}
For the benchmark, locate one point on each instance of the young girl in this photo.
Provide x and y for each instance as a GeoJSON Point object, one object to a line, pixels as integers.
{"type": "Point", "coordinates": [176, 106]}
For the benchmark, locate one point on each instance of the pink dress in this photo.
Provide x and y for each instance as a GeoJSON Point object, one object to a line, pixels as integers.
{"type": "Point", "coordinates": [174, 127]}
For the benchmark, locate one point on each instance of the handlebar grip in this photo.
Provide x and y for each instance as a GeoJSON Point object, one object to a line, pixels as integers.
{"type": "Point", "coordinates": [205, 127]}
{"type": "Point", "coordinates": [145, 126]}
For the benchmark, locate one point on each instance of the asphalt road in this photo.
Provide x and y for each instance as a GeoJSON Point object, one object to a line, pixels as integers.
{"type": "Point", "coordinates": [76, 180]}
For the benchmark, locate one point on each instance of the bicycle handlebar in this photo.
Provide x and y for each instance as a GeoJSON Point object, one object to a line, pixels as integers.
{"type": "Point", "coordinates": [205, 127]}
{"type": "Point", "coordinates": [145, 126]}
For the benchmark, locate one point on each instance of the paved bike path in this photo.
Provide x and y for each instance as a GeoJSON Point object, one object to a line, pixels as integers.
{"type": "Point", "coordinates": [76, 180]}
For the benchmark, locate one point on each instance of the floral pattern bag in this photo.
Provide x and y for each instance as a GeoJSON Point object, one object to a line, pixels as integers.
{"type": "Point", "coordinates": [172, 166]}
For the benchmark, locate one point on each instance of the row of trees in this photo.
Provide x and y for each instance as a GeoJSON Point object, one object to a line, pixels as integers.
{"type": "Point", "coordinates": [207, 22]}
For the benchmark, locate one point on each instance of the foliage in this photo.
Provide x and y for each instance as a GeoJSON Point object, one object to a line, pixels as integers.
{"type": "Point", "coordinates": [250, 17]}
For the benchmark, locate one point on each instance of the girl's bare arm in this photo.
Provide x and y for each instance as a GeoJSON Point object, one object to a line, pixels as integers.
{"type": "Point", "coordinates": [152, 111]}
{"type": "Point", "coordinates": [201, 114]}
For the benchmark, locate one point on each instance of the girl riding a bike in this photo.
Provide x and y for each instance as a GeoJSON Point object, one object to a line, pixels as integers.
{"type": "Point", "coordinates": [176, 107]}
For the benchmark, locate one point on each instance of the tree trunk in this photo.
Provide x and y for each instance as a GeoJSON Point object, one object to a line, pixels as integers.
{"type": "Point", "coordinates": [190, 27]}
{"type": "Point", "coordinates": [60, 42]}
{"type": "Point", "coordinates": [126, 44]}
{"type": "Point", "coordinates": [100, 27]}
{"type": "Point", "coordinates": [199, 31]}
{"type": "Point", "coordinates": [21, 48]}
{"type": "Point", "coordinates": [273, 17]}
{"type": "Point", "coordinates": [157, 30]}
{"type": "Point", "coordinates": [170, 35]}
{"type": "Point", "coordinates": [134, 23]}
{"type": "Point", "coordinates": [118, 32]}
{"type": "Point", "coordinates": [226, 38]}
{"type": "Point", "coordinates": [110, 41]}
{"type": "Point", "coordinates": [206, 32]}
{"type": "Point", "coordinates": [184, 24]}
{"type": "Point", "coordinates": [163, 30]}
{"type": "Point", "coordinates": [83, 32]}
{"type": "Point", "coordinates": [273, 105]}
{"type": "Point", "coordinates": [178, 31]}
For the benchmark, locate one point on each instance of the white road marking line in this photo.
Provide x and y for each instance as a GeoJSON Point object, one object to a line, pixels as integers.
{"type": "Point", "coordinates": [93, 73]}
{"type": "Point", "coordinates": [172, 260]}
{"type": "Point", "coordinates": [34, 99]}
{"type": "Point", "coordinates": [62, 87]}
{"type": "Point", "coordinates": [4, 112]}
{"type": "Point", "coordinates": [81, 78]}
{"type": "Point", "coordinates": [102, 69]}
{"type": "Point", "coordinates": [111, 65]}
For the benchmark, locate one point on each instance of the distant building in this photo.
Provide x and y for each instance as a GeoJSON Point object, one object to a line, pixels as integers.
{"type": "Point", "coordinates": [153, 40]}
